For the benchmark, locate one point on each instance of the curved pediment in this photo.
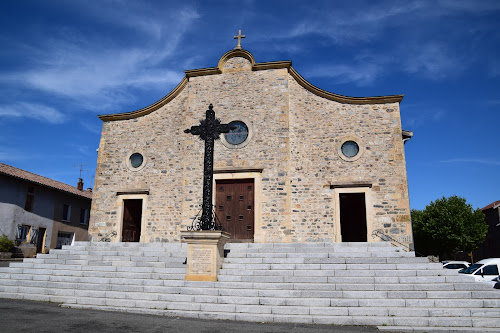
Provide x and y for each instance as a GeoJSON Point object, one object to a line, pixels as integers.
{"type": "Point", "coordinates": [229, 63]}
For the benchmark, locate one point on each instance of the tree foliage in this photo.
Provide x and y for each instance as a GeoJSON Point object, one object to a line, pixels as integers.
{"type": "Point", "coordinates": [5, 244]}
{"type": "Point", "coordinates": [448, 225]}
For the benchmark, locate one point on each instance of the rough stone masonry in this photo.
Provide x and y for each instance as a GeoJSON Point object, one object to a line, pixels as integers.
{"type": "Point", "coordinates": [293, 153]}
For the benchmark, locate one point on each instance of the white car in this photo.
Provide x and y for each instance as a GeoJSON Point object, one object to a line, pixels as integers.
{"type": "Point", "coordinates": [455, 264]}
{"type": "Point", "coordinates": [483, 270]}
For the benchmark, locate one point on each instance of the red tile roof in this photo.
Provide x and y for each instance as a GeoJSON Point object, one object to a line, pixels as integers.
{"type": "Point", "coordinates": [31, 177]}
{"type": "Point", "coordinates": [492, 205]}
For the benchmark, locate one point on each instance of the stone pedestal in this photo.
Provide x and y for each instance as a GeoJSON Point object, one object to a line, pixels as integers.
{"type": "Point", "coordinates": [205, 253]}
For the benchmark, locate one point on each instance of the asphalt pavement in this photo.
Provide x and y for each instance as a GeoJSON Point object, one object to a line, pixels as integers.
{"type": "Point", "coordinates": [29, 316]}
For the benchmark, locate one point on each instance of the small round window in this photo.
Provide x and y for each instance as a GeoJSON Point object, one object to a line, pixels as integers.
{"type": "Point", "coordinates": [350, 149]}
{"type": "Point", "coordinates": [238, 133]}
{"type": "Point", "coordinates": [136, 160]}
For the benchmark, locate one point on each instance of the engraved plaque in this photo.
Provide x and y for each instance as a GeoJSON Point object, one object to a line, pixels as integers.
{"type": "Point", "coordinates": [201, 262]}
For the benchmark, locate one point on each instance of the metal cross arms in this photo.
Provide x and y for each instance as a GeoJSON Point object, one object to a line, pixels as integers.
{"type": "Point", "coordinates": [209, 130]}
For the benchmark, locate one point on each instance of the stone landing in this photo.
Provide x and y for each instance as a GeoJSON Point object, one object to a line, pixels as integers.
{"type": "Point", "coordinates": [322, 283]}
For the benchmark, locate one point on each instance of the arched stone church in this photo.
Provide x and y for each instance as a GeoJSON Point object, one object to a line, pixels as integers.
{"type": "Point", "coordinates": [300, 164]}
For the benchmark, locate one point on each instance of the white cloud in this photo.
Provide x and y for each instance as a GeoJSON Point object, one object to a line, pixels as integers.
{"type": "Point", "coordinates": [81, 149]}
{"type": "Point", "coordinates": [472, 160]}
{"type": "Point", "coordinates": [433, 60]}
{"type": "Point", "coordinates": [438, 115]}
{"type": "Point", "coordinates": [155, 19]}
{"type": "Point", "coordinates": [426, 40]}
{"type": "Point", "coordinates": [10, 156]}
{"type": "Point", "coordinates": [494, 68]}
{"type": "Point", "coordinates": [97, 73]}
{"type": "Point", "coordinates": [475, 7]}
{"type": "Point", "coordinates": [350, 24]}
{"type": "Point", "coordinates": [91, 127]}
{"type": "Point", "coordinates": [417, 115]}
{"type": "Point", "coordinates": [33, 111]}
{"type": "Point", "coordinates": [360, 74]}
{"type": "Point", "coordinates": [100, 82]}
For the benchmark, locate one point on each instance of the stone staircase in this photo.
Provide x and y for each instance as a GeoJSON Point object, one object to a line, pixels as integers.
{"type": "Point", "coordinates": [321, 283]}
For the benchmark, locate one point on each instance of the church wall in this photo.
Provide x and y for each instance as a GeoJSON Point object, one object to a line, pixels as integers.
{"type": "Point", "coordinates": [317, 129]}
{"type": "Point", "coordinates": [173, 174]}
{"type": "Point", "coordinates": [158, 137]}
{"type": "Point", "coordinates": [260, 99]}
{"type": "Point", "coordinates": [292, 153]}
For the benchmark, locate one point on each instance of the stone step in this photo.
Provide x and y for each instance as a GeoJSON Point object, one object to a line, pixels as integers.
{"type": "Point", "coordinates": [305, 310]}
{"type": "Point", "coordinates": [325, 254]}
{"type": "Point", "coordinates": [341, 276]}
{"type": "Point", "coordinates": [57, 269]}
{"type": "Point", "coordinates": [328, 284]}
{"type": "Point", "coordinates": [346, 283]}
{"type": "Point", "coordinates": [372, 245]}
{"type": "Point", "coordinates": [274, 297]}
{"type": "Point", "coordinates": [320, 318]}
{"type": "Point", "coordinates": [417, 329]}
{"type": "Point", "coordinates": [365, 271]}
{"type": "Point", "coordinates": [320, 267]}
{"type": "Point", "coordinates": [305, 278]}
{"type": "Point", "coordinates": [126, 245]}
{"type": "Point", "coordinates": [361, 270]}
{"type": "Point", "coordinates": [440, 307]}
{"type": "Point", "coordinates": [315, 249]}
{"type": "Point", "coordinates": [97, 274]}
{"type": "Point", "coordinates": [146, 286]}
{"type": "Point", "coordinates": [302, 260]}
{"type": "Point", "coordinates": [117, 255]}
{"type": "Point", "coordinates": [50, 263]}
{"type": "Point", "coordinates": [103, 260]}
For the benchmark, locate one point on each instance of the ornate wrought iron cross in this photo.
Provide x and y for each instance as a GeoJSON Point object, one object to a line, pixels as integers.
{"type": "Point", "coordinates": [209, 130]}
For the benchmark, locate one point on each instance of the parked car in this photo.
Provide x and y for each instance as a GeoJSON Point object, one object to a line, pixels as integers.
{"type": "Point", "coordinates": [483, 270]}
{"type": "Point", "coordinates": [497, 282]}
{"type": "Point", "coordinates": [455, 264]}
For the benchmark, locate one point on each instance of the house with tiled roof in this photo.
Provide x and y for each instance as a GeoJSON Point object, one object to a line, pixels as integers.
{"type": "Point", "coordinates": [40, 213]}
{"type": "Point", "coordinates": [491, 245]}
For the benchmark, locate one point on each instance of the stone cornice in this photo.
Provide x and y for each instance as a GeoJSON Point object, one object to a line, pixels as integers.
{"type": "Point", "coordinates": [202, 72]}
{"type": "Point", "coordinates": [255, 67]}
{"type": "Point", "coordinates": [134, 191]}
{"type": "Point", "coordinates": [351, 184]}
{"type": "Point", "coordinates": [238, 170]}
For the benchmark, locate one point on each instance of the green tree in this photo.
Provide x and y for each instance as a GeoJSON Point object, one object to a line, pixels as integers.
{"type": "Point", "coordinates": [5, 244]}
{"type": "Point", "coordinates": [448, 225]}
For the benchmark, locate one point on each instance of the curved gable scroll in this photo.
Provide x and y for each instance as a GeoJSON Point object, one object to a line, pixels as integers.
{"type": "Point", "coordinates": [147, 109]}
{"type": "Point", "coordinates": [254, 67]}
{"type": "Point", "coordinates": [340, 98]}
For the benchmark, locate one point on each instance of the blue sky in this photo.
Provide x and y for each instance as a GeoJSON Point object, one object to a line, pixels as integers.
{"type": "Point", "coordinates": [64, 62]}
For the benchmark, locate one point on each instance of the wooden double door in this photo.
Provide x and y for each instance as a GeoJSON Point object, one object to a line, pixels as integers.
{"type": "Point", "coordinates": [235, 207]}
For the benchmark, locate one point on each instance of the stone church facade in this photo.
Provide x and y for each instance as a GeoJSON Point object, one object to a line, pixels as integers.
{"type": "Point", "coordinates": [300, 165]}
